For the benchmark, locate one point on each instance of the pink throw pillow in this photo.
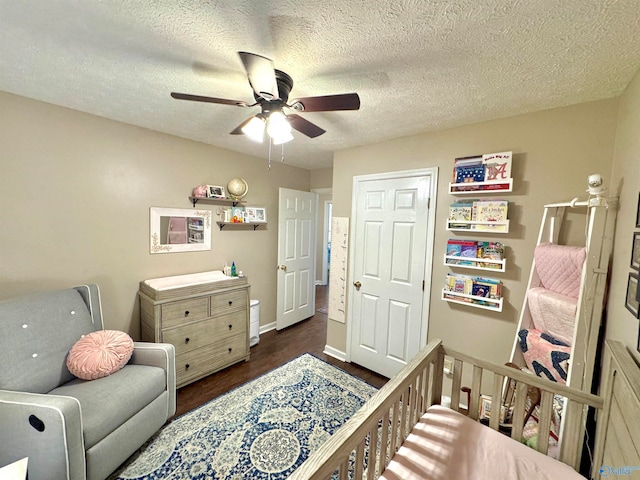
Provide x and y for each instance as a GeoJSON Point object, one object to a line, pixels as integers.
{"type": "Point", "coordinates": [99, 354]}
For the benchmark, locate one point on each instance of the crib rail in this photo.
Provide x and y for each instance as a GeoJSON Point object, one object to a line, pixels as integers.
{"type": "Point", "coordinates": [362, 448]}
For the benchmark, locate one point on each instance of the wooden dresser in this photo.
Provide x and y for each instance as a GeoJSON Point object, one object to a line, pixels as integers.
{"type": "Point", "coordinates": [204, 315]}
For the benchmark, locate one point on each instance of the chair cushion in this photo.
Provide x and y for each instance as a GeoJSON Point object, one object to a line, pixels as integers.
{"type": "Point", "coordinates": [37, 332]}
{"type": "Point", "coordinates": [99, 354]}
{"type": "Point", "coordinates": [108, 402]}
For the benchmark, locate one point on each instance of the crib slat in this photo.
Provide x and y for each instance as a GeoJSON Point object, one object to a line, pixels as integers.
{"type": "Point", "coordinates": [344, 469]}
{"type": "Point", "coordinates": [496, 400]}
{"type": "Point", "coordinates": [373, 452]}
{"type": "Point", "coordinates": [394, 427]}
{"type": "Point", "coordinates": [412, 405]}
{"type": "Point", "coordinates": [456, 384]}
{"type": "Point", "coordinates": [357, 474]}
{"type": "Point", "coordinates": [384, 443]}
{"type": "Point", "coordinates": [569, 441]}
{"type": "Point", "coordinates": [517, 418]}
{"type": "Point", "coordinates": [425, 390]}
{"type": "Point", "coordinates": [544, 422]}
{"type": "Point", "coordinates": [475, 392]}
{"type": "Point", "coordinates": [438, 374]}
{"type": "Point", "coordinates": [403, 416]}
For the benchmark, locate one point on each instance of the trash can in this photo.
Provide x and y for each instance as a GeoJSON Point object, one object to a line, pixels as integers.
{"type": "Point", "coordinates": [254, 317]}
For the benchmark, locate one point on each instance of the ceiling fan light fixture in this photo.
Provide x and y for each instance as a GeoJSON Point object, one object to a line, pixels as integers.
{"type": "Point", "coordinates": [254, 129]}
{"type": "Point", "coordinates": [278, 126]}
{"type": "Point", "coordinates": [287, 137]}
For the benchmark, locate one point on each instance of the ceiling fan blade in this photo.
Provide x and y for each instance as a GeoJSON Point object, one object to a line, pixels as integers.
{"type": "Point", "coordinates": [198, 98]}
{"type": "Point", "coordinates": [238, 129]}
{"type": "Point", "coordinates": [327, 103]}
{"type": "Point", "coordinates": [262, 75]}
{"type": "Point", "coordinates": [304, 126]}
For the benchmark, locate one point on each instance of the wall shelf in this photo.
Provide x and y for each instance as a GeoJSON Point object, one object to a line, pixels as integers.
{"type": "Point", "coordinates": [219, 201]}
{"type": "Point", "coordinates": [472, 226]}
{"type": "Point", "coordinates": [501, 264]}
{"type": "Point", "coordinates": [471, 300]}
{"type": "Point", "coordinates": [480, 188]}
{"type": "Point", "coordinates": [255, 225]}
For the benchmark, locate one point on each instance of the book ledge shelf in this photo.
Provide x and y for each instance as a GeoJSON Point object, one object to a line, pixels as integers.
{"type": "Point", "coordinates": [472, 300]}
{"type": "Point", "coordinates": [493, 227]}
{"type": "Point", "coordinates": [452, 261]}
{"type": "Point", "coordinates": [488, 186]}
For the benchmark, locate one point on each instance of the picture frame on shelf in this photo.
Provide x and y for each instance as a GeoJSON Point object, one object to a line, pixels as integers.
{"type": "Point", "coordinates": [215, 191]}
{"type": "Point", "coordinates": [256, 214]}
{"type": "Point", "coordinates": [635, 251]}
{"type": "Point", "coordinates": [631, 300]}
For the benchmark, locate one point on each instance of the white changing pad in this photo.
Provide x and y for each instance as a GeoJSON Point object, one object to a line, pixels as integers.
{"type": "Point", "coordinates": [193, 283]}
{"type": "Point", "coordinates": [166, 283]}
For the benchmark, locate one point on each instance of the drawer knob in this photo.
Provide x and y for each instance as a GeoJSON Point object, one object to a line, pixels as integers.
{"type": "Point", "coordinates": [230, 349]}
{"type": "Point", "coordinates": [230, 326]}
{"type": "Point", "coordinates": [230, 302]}
{"type": "Point", "coordinates": [186, 340]}
{"type": "Point", "coordinates": [186, 367]}
{"type": "Point", "coordinates": [186, 313]}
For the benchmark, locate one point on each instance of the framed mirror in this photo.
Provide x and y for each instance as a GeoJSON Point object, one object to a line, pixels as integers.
{"type": "Point", "coordinates": [179, 230]}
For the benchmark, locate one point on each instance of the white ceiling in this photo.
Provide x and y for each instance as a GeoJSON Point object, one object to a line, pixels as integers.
{"type": "Point", "coordinates": [418, 65]}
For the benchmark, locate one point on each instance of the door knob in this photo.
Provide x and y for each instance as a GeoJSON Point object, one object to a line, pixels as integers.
{"type": "Point", "coordinates": [357, 285]}
{"type": "Point", "coordinates": [283, 268]}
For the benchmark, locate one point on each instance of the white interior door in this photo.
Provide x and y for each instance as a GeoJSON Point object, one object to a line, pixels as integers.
{"type": "Point", "coordinates": [392, 245]}
{"type": "Point", "coordinates": [296, 256]}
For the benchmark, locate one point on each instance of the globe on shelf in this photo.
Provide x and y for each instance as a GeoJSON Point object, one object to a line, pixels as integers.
{"type": "Point", "coordinates": [237, 188]}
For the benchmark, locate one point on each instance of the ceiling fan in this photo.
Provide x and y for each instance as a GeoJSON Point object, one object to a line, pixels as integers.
{"type": "Point", "coordinates": [271, 89]}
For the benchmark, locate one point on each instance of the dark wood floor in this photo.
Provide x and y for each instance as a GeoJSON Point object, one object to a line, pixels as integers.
{"type": "Point", "coordinates": [275, 348]}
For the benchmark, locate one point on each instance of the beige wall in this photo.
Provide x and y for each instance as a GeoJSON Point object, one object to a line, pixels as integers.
{"type": "Point", "coordinates": [554, 152]}
{"type": "Point", "coordinates": [621, 325]}
{"type": "Point", "coordinates": [76, 191]}
{"type": "Point", "coordinates": [321, 180]}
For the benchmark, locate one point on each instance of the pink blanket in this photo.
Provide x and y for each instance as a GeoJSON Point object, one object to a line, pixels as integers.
{"type": "Point", "coordinates": [446, 445]}
{"type": "Point", "coordinates": [560, 267]}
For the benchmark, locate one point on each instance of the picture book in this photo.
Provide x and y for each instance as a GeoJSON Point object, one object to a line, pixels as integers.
{"type": "Point", "coordinates": [490, 211]}
{"type": "Point", "coordinates": [497, 166]}
{"type": "Point", "coordinates": [460, 211]}
{"type": "Point", "coordinates": [461, 248]}
{"type": "Point", "coordinates": [470, 168]}
{"type": "Point", "coordinates": [490, 251]}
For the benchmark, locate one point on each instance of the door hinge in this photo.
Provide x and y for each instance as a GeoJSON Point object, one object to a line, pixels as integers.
{"type": "Point", "coordinates": [423, 285]}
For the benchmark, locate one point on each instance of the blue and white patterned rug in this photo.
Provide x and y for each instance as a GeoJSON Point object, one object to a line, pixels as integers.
{"type": "Point", "coordinates": [264, 429]}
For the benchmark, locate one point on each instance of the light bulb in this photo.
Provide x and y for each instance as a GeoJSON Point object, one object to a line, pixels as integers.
{"type": "Point", "coordinates": [278, 126]}
{"type": "Point", "coordinates": [254, 129]}
{"type": "Point", "coordinates": [284, 138]}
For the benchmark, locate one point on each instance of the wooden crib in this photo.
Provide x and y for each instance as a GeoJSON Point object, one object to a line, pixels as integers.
{"type": "Point", "coordinates": [362, 449]}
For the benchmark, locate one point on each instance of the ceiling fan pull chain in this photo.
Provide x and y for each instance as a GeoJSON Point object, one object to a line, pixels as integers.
{"type": "Point", "coordinates": [282, 153]}
{"type": "Point", "coordinates": [270, 154]}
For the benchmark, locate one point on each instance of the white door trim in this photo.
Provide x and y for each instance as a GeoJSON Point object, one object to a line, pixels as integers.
{"type": "Point", "coordinates": [428, 264]}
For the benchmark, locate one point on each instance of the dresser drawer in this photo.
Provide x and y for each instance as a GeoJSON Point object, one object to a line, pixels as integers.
{"type": "Point", "coordinates": [176, 313]}
{"type": "Point", "coordinates": [231, 301]}
{"type": "Point", "coordinates": [196, 335]}
{"type": "Point", "coordinates": [206, 360]}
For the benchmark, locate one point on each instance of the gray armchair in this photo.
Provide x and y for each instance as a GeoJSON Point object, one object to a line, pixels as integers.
{"type": "Point", "coordinates": [71, 428]}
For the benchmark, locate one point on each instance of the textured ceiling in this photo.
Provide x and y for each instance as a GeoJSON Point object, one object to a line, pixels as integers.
{"type": "Point", "coordinates": [418, 65]}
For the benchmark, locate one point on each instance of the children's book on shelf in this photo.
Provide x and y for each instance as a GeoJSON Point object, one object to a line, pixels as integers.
{"type": "Point", "coordinates": [490, 251]}
{"type": "Point", "coordinates": [476, 286]}
{"type": "Point", "coordinates": [490, 211]}
{"type": "Point", "coordinates": [497, 167]}
{"type": "Point", "coordinates": [460, 211]}
{"type": "Point", "coordinates": [468, 169]}
{"type": "Point", "coordinates": [463, 249]}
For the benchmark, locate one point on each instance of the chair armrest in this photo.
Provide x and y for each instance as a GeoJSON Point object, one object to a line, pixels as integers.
{"type": "Point", "coordinates": [161, 355]}
{"type": "Point", "coordinates": [45, 428]}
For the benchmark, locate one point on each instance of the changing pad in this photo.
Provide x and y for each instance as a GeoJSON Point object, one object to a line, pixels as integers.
{"type": "Point", "coordinates": [177, 286]}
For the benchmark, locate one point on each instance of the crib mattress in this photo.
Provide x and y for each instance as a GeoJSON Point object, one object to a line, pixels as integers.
{"type": "Point", "coordinates": [447, 445]}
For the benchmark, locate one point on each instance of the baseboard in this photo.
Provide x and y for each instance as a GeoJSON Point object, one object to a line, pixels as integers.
{"type": "Point", "coordinates": [335, 353]}
{"type": "Point", "coordinates": [268, 327]}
